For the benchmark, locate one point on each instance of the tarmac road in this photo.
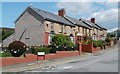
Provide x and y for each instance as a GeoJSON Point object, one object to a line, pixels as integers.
{"type": "Point", "coordinates": [106, 62]}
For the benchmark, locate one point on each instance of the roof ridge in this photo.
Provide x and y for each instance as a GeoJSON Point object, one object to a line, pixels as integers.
{"type": "Point", "coordinates": [51, 16]}
{"type": "Point", "coordinates": [46, 11]}
{"type": "Point", "coordinates": [93, 23]}
{"type": "Point", "coordinates": [72, 17]}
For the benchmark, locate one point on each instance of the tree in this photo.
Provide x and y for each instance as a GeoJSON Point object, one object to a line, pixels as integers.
{"type": "Point", "coordinates": [6, 33]}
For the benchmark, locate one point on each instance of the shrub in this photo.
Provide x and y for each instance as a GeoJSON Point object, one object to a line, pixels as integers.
{"type": "Point", "coordinates": [32, 49]}
{"type": "Point", "coordinates": [6, 54]}
{"type": "Point", "coordinates": [73, 48]}
{"type": "Point", "coordinates": [84, 42]}
{"type": "Point", "coordinates": [42, 49]}
{"type": "Point", "coordinates": [86, 38]}
{"type": "Point", "coordinates": [17, 48]}
{"type": "Point", "coordinates": [61, 42]}
{"type": "Point", "coordinates": [97, 43]}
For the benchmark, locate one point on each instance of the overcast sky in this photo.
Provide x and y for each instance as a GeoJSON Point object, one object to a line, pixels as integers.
{"type": "Point", "coordinates": [105, 13]}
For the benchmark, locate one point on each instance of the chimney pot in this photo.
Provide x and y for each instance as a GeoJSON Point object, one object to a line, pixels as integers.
{"type": "Point", "coordinates": [93, 20]}
{"type": "Point", "coordinates": [79, 19]}
{"type": "Point", "coordinates": [61, 12]}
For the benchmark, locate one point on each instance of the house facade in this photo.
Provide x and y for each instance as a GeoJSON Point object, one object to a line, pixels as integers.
{"type": "Point", "coordinates": [35, 27]}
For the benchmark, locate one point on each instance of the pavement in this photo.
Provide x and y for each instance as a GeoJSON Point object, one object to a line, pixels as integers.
{"type": "Point", "coordinates": [52, 63]}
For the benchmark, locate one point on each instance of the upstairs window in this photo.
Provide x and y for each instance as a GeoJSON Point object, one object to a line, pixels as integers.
{"type": "Point", "coordinates": [60, 28]}
{"type": "Point", "coordinates": [79, 29]}
{"type": "Point", "coordinates": [70, 30]}
{"type": "Point", "coordinates": [89, 32]}
{"type": "Point", "coordinates": [52, 26]}
{"type": "Point", "coordinates": [65, 29]}
{"type": "Point", "coordinates": [83, 30]}
{"type": "Point", "coordinates": [97, 31]}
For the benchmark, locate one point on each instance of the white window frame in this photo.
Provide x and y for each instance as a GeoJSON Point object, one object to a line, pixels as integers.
{"type": "Point", "coordinates": [52, 26]}
{"type": "Point", "coordinates": [65, 31]}
{"type": "Point", "coordinates": [83, 30]}
{"type": "Point", "coordinates": [70, 30]}
{"type": "Point", "coordinates": [79, 29]}
{"type": "Point", "coordinates": [60, 28]}
{"type": "Point", "coordinates": [72, 39]}
{"type": "Point", "coordinates": [49, 39]}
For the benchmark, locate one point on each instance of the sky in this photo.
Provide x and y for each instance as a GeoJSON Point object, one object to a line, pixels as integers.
{"type": "Point", "coordinates": [105, 13]}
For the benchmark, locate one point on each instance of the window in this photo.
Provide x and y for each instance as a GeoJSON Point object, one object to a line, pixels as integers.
{"type": "Point", "coordinates": [94, 37]}
{"type": "Point", "coordinates": [70, 30]}
{"type": "Point", "coordinates": [49, 39]}
{"type": "Point", "coordinates": [89, 33]}
{"type": "Point", "coordinates": [93, 30]}
{"type": "Point", "coordinates": [72, 39]}
{"type": "Point", "coordinates": [52, 26]}
{"type": "Point", "coordinates": [60, 28]}
{"type": "Point", "coordinates": [65, 29]}
{"type": "Point", "coordinates": [79, 29]}
{"type": "Point", "coordinates": [97, 31]}
{"type": "Point", "coordinates": [83, 30]}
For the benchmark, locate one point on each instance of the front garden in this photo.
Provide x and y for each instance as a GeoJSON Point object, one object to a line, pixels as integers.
{"type": "Point", "coordinates": [59, 43]}
{"type": "Point", "coordinates": [61, 46]}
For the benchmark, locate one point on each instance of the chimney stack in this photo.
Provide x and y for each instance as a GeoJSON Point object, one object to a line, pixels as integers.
{"type": "Point", "coordinates": [80, 19]}
{"type": "Point", "coordinates": [93, 20]}
{"type": "Point", "coordinates": [61, 12]}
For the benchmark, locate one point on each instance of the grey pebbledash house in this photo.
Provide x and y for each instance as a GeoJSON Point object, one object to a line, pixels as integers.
{"type": "Point", "coordinates": [35, 27]}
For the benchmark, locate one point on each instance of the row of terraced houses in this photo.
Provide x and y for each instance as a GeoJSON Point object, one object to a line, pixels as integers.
{"type": "Point", "coordinates": [36, 27]}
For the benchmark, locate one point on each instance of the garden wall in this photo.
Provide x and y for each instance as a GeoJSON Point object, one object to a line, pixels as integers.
{"type": "Point", "coordinates": [61, 54]}
{"type": "Point", "coordinates": [31, 57]}
{"type": "Point", "coordinates": [89, 48]}
{"type": "Point", "coordinates": [15, 60]}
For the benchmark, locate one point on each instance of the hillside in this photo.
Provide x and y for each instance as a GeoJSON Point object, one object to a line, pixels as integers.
{"type": "Point", "coordinates": [5, 32]}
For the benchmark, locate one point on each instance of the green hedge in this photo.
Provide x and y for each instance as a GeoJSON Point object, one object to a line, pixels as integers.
{"type": "Point", "coordinates": [97, 43]}
{"type": "Point", "coordinates": [62, 43]}
{"type": "Point", "coordinates": [42, 49]}
{"type": "Point", "coordinates": [5, 54]}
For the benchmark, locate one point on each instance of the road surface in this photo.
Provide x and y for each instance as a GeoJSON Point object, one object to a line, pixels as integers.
{"type": "Point", "coordinates": [106, 62]}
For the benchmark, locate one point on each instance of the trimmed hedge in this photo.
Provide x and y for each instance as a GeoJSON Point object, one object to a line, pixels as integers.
{"type": "Point", "coordinates": [41, 49]}
{"type": "Point", "coordinates": [97, 43]}
{"type": "Point", "coordinates": [61, 43]}
{"type": "Point", "coordinates": [17, 48]}
{"type": "Point", "coordinates": [5, 54]}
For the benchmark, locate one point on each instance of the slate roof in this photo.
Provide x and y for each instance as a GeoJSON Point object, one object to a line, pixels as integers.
{"type": "Point", "coordinates": [53, 17]}
{"type": "Point", "coordinates": [101, 26]}
{"type": "Point", "coordinates": [67, 20]}
{"type": "Point", "coordinates": [77, 22]}
{"type": "Point", "coordinates": [91, 24]}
